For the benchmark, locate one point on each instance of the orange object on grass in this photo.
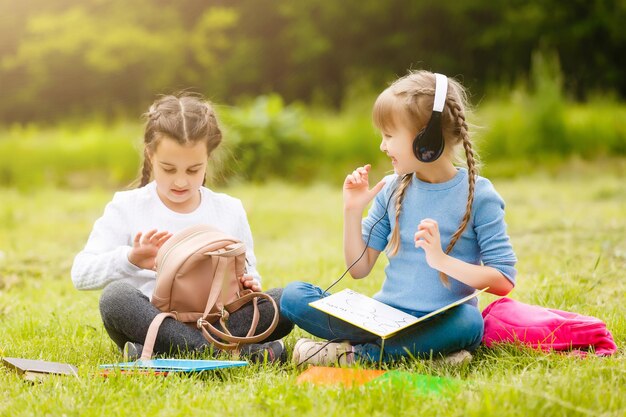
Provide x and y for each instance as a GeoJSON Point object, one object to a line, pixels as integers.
{"type": "Point", "coordinates": [322, 375]}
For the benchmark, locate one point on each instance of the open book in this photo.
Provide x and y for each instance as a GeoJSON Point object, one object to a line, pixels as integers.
{"type": "Point", "coordinates": [371, 315]}
{"type": "Point", "coordinates": [34, 370]}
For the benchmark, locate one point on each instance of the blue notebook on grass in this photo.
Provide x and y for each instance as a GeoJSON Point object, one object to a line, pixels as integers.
{"type": "Point", "coordinates": [174, 365]}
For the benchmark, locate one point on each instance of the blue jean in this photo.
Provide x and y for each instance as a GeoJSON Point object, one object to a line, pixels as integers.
{"type": "Point", "coordinates": [458, 328]}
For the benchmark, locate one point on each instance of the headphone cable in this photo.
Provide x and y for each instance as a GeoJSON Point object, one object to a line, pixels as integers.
{"type": "Point", "coordinates": [324, 294]}
{"type": "Point", "coordinates": [369, 236]}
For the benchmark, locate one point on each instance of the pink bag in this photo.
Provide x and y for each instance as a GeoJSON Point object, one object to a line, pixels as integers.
{"type": "Point", "coordinates": [507, 320]}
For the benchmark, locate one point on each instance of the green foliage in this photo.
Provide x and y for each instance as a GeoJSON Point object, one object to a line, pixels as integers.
{"type": "Point", "coordinates": [341, 142]}
{"type": "Point", "coordinates": [547, 107]}
{"type": "Point", "coordinates": [539, 125]}
{"type": "Point", "coordinates": [571, 255]}
{"type": "Point", "coordinates": [69, 155]}
{"type": "Point", "coordinates": [536, 123]}
{"type": "Point", "coordinates": [266, 139]}
{"type": "Point", "coordinates": [65, 57]}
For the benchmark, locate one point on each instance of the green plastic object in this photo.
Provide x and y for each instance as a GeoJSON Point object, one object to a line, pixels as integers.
{"type": "Point", "coordinates": [418, 383]}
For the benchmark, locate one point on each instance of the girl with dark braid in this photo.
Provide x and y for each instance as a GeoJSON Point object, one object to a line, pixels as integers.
{"type": "Point", "coordinates": [181, 133]}
{"type": "Point", "coordinates": [442, 227]}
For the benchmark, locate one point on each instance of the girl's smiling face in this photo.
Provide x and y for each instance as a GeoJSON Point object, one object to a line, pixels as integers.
{"type": "Point", "coordinates": [397, 143]}
{"type": "Point", "coordinates": [398, 128]}
{"type": "Point", "coordinates": [179, 172]}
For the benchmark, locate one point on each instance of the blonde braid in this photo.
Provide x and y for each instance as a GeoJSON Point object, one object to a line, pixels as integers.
{"type": "Point", "coordinates": [461, 126]}
{"type": "Point", "coordinates": [412, 96]}
{"type": "Point", "coordinates": [421, 91]}
{"type": "Point", "coordinates": [394, 242]}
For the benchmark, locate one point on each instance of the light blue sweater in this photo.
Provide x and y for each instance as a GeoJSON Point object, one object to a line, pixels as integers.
{"type": "Point", "coordinates": [410, 283]}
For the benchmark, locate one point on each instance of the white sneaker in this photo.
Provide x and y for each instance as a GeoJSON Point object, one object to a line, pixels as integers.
{"type": "Point", "coordinates": [307, 351]}
{"type": "Point", "coordinates": [461, 357]}
{"type": "Point", "coordinates": [132, 351]}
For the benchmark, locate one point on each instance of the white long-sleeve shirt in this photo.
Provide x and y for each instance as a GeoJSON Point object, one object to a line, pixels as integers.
{"type": "Point", "coordinates": [105, 256]}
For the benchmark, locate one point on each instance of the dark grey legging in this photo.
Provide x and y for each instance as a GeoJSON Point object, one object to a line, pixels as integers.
{"type": "Point", "coordinates": [127, 314]}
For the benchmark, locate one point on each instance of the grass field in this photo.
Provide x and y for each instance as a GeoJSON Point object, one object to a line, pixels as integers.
{"type": "Point", "coordinates": [568, 233]}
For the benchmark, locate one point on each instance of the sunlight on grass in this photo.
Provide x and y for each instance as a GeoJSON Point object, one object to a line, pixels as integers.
{"type": "Point", "coordinates": [568, 235]}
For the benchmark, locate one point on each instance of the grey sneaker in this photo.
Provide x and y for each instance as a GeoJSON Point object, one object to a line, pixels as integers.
{"type": "Point", "coordinates": [270, 352]}
{"type": "Point", "coordinates": [462, 357]}
{"type": "Point", "coordinates": [132, 351]}
{"type": "Point", "coordinates": [307, 351]}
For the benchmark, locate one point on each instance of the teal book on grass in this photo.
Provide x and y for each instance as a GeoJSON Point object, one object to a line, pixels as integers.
{"type": "Point", "coordinates": [174, 365]}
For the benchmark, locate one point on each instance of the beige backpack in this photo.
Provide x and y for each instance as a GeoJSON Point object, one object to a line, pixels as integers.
{"type": "Point", "coordinates": [198, 271]}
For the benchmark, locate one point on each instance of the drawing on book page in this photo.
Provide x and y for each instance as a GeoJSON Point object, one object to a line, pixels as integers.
{"type": "Point", "coordinates": [365, 312]}
{"type": "Point", "coordinates": [374, 316]}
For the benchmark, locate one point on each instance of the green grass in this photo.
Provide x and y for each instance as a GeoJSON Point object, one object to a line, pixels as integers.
{"type": "Point", "coordinates": [568, 234]}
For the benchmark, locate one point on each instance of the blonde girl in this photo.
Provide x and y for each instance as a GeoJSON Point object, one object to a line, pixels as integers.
{"type": "Point", "coordinates": [442, 228]}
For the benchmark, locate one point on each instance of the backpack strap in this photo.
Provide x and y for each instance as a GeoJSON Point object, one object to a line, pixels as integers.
{"type": "Point", "coordinates": [225, 334]}
{"type": "Point", "coordinates": [218, 282]}
{"type": "Point", "coordinates": [148, 345]}
{"type": "Point", "coordinates": [225, 259]}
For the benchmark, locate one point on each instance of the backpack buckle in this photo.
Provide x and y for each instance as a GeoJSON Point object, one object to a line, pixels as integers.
{"type": "Point", "coordinates": [224, 314]}
{"type": "Point", "coordinates": [200, 323]}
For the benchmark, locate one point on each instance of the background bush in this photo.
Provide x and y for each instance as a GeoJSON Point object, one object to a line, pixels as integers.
{"type": "Point", "coordinates": [266, 139]}
{"type": "Point", "coordinates": [531, 126]}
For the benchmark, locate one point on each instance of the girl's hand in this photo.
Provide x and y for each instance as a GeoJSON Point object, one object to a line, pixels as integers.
{"type": "Point", "coordinates": [249, 282]}
{"type": "Point", "coordinates": [356, 192]}
{"type": "Point", "coordinates": [145, 248]}
{"type": "Point", "coordinates": [429, 239]}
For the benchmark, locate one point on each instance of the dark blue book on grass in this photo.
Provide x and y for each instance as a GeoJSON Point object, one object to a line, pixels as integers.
{"type": "Point", "coordinates": [174, 365]}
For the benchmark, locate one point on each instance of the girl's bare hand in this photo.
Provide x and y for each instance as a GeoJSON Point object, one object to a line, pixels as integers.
{"type": "Point", "coordinates": [249, 282]}
{"type": "Point", "coordinates": [356, 191]}
{"type": "Point", "coordinates": [428, 238]}
{"type": "Point", "coordinates": [145, 248]}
